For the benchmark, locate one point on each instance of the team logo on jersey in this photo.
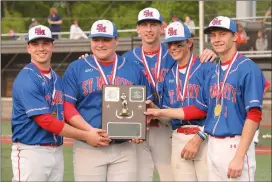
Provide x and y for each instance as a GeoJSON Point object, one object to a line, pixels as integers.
{"type": "Point", "coordinates": [88, 70]}
{"type": "Point", "coordinates": [39, 31]}
{"type": "Point", "coordinates": [101, 28]}
{"type": "Point", "coordinates": [172, 31]}
{"type": "Point", "coordinates": [148, 13]}
{"type": "Point", "coordinates": [216, 21]}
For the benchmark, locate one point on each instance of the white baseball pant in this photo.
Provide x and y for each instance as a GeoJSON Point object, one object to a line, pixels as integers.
{"type": "Point", "coordinates": [156, 150]}
{"type": "Point", "coordinates": [188, 170]}
{"type": "Point", "coordinates": [116, 162]}
{"type": "Point", "coordinates": [221, 152]}
{"type": "Point", "coordinates": [37, 163]}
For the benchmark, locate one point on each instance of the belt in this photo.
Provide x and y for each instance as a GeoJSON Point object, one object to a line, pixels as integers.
{"type": "Point", "coordinates": [188, 130]}
{"type": "Point", "coordinates": [154, 122]}
{"type": "Point", "coordinates": [49, 145]}
{"type": "Point", "coordinates": [222, 137]}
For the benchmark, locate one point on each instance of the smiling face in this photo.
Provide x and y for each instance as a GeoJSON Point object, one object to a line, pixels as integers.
{"type": "Point", "coordinates": [149, 31]}
{"type": "Point", "coordinates": [222, 41]}
{"type": "Point", "coordinates": [104, 48]}
{"type": "Point", "coordinates": [40, 50]}
{"type": "Point", "coordinates": [180, 50]}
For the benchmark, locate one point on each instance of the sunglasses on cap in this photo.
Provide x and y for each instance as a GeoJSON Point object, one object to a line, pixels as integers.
{"type": "Point", "coordinates": [180, 44]}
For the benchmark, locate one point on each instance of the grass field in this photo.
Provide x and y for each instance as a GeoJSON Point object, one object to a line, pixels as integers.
{"type": "Point", "coordinates": [263, 172]}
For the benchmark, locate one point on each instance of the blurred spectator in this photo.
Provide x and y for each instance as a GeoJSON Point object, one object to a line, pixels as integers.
{"type": "Point", "coordinates": [33, 23]}
{"type": "Point", "coordinates": [76, 32]}
{"type": "Point", "coordinates": [241, 38]}
{"type": "Point", "coordinates": [261, 41]}
{"type": "Point", "coordinates": [175, 18]}
{"type": "Point", "coordinates": [267, 13]}
{"type": "Point", "coordinates": [55, 21]}
{"type": "Point", "coordinates": [12, 34]}
{"type": "Point", "coordinates": [191, 25]}
{"type": "Point", "coordinates": [164, 25]}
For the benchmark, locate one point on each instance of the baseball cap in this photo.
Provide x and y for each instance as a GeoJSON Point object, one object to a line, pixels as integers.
{"type": "Point", "coordinates": [103, 28]}
{"type": "Point", "coordinates": [176, 31]}
{"type": "Point", "coordinates": [149, 14]}
{"type": "Point", "coordinates": [39, 32]}
{"type": "Point", "coordinates": [222, 22]}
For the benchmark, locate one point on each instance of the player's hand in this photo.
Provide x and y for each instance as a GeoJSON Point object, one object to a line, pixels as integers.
{"type": "Point", "coordinates": [150, 104]}
{"type": "Point", "coordinates": [98, 138]}
{"type": "Point", "coordinates": [191, 148]}
{"type": "Point", "coordinates": [83, 56]}
{"type": "Point", "coordinates": [236, 167]}
{"type": "Point", "coordinates": [207, 55]}
{"type": "Point", "coordinates": [152, 113]}
{"type": "Point", "coordinates": [136, 140]}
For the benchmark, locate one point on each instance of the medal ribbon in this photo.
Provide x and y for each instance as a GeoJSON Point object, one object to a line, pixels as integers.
{"type": "Point", "coordinates": [220, 89]}
{"type": "Point", "coordinates": [182, 90]}
{"type": "Point", "coordinates": [157, 67]}
{"type": "Point", "coordinates": [114, 68]}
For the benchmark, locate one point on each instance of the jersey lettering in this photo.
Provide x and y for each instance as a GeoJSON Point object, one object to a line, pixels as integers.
{"type": "Point", "coordinates": [228, 91]}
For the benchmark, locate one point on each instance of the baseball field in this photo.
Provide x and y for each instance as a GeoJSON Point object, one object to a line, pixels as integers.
{"type": "Point", "coordinates": [263, 152]}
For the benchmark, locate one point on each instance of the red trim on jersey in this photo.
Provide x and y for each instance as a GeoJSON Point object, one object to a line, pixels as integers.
{"type": "Point", "coordinates": [267, 84]}
{"type": "Point", "coordinates": [69, 111]}
{"type": "Point", "coordinates": [19, 164]}
{"type": "Point", "coordinates": [182, 67]}
{"type": "Point", "coordinates": [229, 61]}
{"type": "Point", "coordinates": [151, 53]}
{"type": "Point", "coordinates": [192, 112]}
{"type": "Point", "coordinates": [45, 71]}
{"type": "Point", "coordinates": [49, 123]}
{"type": "Point", "coordinates": [105, 63]}
{"type": "Point", "coordinates": [254, 114]}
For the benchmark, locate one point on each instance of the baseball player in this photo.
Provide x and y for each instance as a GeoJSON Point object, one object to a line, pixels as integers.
{"type": "Point", "coordinates": [154, 60]}
{"type": "Point", "coordinates": [181, 88]}
{"type": "Point", "coordinates": [37, 115]}
{"type": "Point", "coordinates": [83, 80]}
{"type": "Point", "coordinates": [232, 97]}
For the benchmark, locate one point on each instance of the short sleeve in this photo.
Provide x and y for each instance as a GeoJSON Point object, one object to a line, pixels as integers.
{"type": "Point", "coordinates": [31, 96]}
{"type": "Point", "coordinates": [70, 85]}
{"type": "Point", "coordinates": [253, 88]}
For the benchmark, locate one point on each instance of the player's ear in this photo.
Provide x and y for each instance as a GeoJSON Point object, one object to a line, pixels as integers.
{"type": "Point", "coordinates": [116, 41]}
{"type": "Point", "coordinates": [234, 38]}
{"type": "Point", "coordinates": [28, 48]}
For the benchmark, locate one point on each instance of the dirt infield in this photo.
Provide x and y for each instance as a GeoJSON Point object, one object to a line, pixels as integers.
{"type": "Point", "coordinates": [261, 150]}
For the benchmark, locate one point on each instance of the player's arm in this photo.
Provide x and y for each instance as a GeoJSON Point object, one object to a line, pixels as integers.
{"type": "Point", "coordinates": [253, 83]}
{"type": "Point", "coordinates": [51, 124]}
{"type": "Point", "coordinates": [185, 113]}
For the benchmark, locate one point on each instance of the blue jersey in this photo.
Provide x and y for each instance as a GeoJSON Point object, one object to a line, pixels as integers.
{"type": "Point", "coordinates": [167, 63]}
{"type": "Point", "coordinates": [34, 94]}
{"type": "Point", "coordinates": [196, 74]}
{"type": "Point", "coordinates": [243, 90]}
{"type": "Point", "coordinates": [83, 85]}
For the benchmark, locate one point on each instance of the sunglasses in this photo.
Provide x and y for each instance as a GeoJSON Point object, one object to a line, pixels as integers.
{"type": "Point", "coordinates": [180, 44]}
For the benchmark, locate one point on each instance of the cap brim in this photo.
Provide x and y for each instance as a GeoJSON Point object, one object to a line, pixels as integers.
{"type": "Point", "coordinates": [149, 19]}
{"type": "Point", "coordinates": [101, 35]}
{"type": "Point", "coordinates": [175, 39]}
{"type": "Point", "coordinates": [40, 38]}
{"type": "Point", "coordinates": [211, 28]}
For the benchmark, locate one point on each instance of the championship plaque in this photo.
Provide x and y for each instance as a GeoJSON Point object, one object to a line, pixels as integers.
{"type": "Point", "coordinates": [123, 111]}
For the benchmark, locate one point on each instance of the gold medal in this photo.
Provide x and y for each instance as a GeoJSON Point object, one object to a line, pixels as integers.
{"type": "Point", "coordinates": [54, 114]}
{"type": "Point", "coordinates": [217, 109]}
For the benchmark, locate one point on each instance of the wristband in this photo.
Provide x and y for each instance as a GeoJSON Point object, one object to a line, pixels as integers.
{"type": "Point", "coordinates": [201, 135]}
